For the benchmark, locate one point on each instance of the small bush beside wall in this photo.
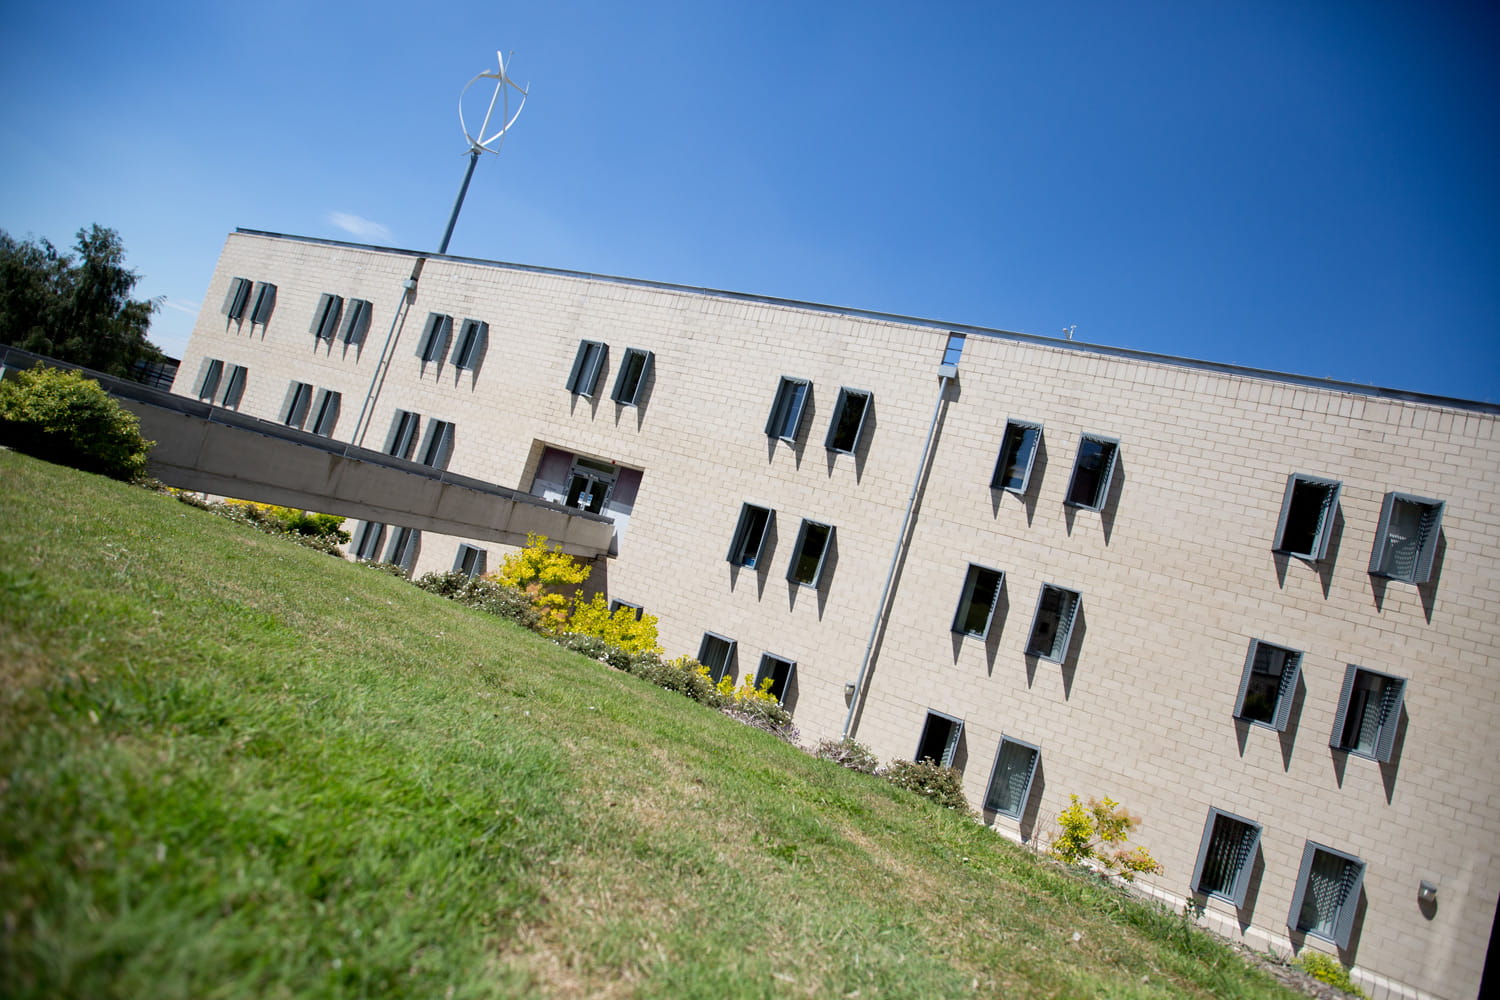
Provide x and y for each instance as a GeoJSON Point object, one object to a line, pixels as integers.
{"type": "Point", "coordinates": [61, 416]}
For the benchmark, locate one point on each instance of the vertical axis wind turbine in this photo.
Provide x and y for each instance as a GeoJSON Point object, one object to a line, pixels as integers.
{"type": "Point", "coordinates": [478, 141]}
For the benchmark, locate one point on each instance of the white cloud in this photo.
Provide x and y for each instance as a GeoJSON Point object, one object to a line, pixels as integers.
{"type": "Point", "coordinates": [191, 308]}
{"type": "Point", "coordinates": [357, 226]}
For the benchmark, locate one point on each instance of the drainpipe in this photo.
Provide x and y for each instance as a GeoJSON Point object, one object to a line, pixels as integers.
{"type": "Point", "coordinates": [946, 372]}
{"type": "Point", "coordinates": [367, 408]}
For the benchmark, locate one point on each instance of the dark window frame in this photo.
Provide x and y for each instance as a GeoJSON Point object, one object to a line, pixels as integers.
{"type": "Point", "coordinates": [1384, 555]}
{"type": "Point", "coordinates": [1300, 490]}
{"type": "Point", "coordinates": [788, 408]}
{"type": "Point", "coordinates": [433, 346]}
{"type": "Point", "coordinates": [1353, 713]}
{"type": "Point", "coordinates": [588, 364]}
{"type": "Point", "coordinates": [1100, 494]}
{"type": "Point", "coordinates": [840, 440]}
{"type": "Point", "coordinates": [992, 801]}
{"type": "Point", "coordinates": [1230, 875]}
{"type": "Point", "coordinates": [635, 369]}
{"type": "Point", "coordinates": [1347, 904]}
{"type": "Point", "coordinates": [1011, 442]}
{"type": "Point", "coordinates": [746, 530]}
{"type": "Point", "coordinates": [718, 667]}
{"type": "Point", "coordinates": [1062, 634]}
{"type": "Point", "coordinates": [1291, 669]}
{"type": "Point", "coordinates": [963, 616]}
{"type": "Point", "coordinates": [804, 533]}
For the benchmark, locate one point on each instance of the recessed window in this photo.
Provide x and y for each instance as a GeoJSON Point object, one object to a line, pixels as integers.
{"type": "Point", "coordinates": [298, 400]}
{"type": "Point", "coordinates": [1017, 452]}
{"type": "Point", "coordinates": [209, 379]}
{"type": "Point", "coordinates": [779, 670]}
{"type": "Point", "coordinates": [403, 548]}
{"type": "Point", "coordinates": [954, 349]}
{"type": "Point", "coordinates": [848, 421]}
{"type": "Point", "coordinates": [939, 740]}
{"type": "Point", "coordinates": [237, 298]}
{"type": "Point", "coordinates": [1267, 685]}
{"type": "Point", "coordinates": [325, 321]}
{"type": "Point", "coordinates": [716, 652]}
{"type": "Point", "coordinates": [434, 342]}
{"type": "Point", "coordinates": [468, 350]}
{"type": "Point", "coordinates": [403, 437]}
{"type": "Point", "coordinates": [1406, 540]}
{"type": "Point", "coordinates": [220, 384]}
{"type": "Point", "coordinates": [1307, 516]}
{"type": "Point", "coordinates": [265, 303]}
{"type": "Point", "coordinates": [438, 445]}
{"type": "Point", "coordinates": [1226, 856]}
{"type": "Point", "coordinates": [583, 380]}
{"type": "Point", "coordinates": [1010, 784]}
{"type": "Point", "coordinates": [786, 410]}
{"type": "Point", "coordinates": [470, 560]}
{"type": "Point", "coordinates": [976, 607]}
{"type": "Point", "coordinates": [813, 542]}
{"type": "Point", "coordinates": [356, 322]}
{"type": "Point", "coordinates": [1089, 487]}
{"type": "Point", "coordinates": [634, 609]}
{"type": "Point", "coordinates": [1052, 629]}
{"type": "Point", "coordinates": [367, 540]}
{"type": "Point", "coordinates": [750, 535]}
{"type": "Point", "coordinates": [1368, 713]}
{"type": "Point", "coordinates": [634, 369]}
{"type": "Point", "coordinates": [1327, 895]}
{"type": "Point", "coordinates": [326, 412]}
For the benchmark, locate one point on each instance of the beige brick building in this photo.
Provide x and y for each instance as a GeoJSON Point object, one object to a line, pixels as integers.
{"type": "Point", "coordinates": [1260, 610]}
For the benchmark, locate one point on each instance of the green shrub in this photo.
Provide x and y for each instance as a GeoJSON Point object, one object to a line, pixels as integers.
{"type": "Point", "coordinates": [931, 780]}
{"type": "Point", "coordinates": [1326, 969]}
{"type": "Point", "coordinates": [483, 594]}
{"type": "Point", "coordinates": [60, 416]}
{"type": "Point", "coordinates": [847, 752]}
{"type": "Point", "coordinates": [1084, 830]}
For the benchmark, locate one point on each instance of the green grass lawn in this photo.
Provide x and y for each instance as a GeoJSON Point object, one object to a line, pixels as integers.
{"type": "Point", "coordinates": [234, 767]}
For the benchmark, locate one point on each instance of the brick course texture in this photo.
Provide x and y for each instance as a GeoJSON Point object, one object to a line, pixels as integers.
{"type": "Point", "coordinates": [1176, 570]}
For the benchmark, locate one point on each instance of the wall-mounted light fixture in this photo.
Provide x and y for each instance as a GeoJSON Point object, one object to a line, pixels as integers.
{"type": "Point", "coordinates": [1427, 891]}
{"type": "Point", "coordinates": [849, 690]}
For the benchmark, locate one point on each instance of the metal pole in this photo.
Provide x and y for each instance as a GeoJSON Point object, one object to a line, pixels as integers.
{"type": "Point", "coordinates": [890, 574]}
{"type": "Point", "coordinates": [459, 202]}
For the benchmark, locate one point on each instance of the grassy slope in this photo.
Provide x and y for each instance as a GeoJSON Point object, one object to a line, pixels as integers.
{"type": "Point", "coordinates": [230, 766]}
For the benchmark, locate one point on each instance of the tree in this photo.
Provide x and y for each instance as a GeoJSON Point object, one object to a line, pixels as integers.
{"type": "Point", "coordinates": [78, 311]}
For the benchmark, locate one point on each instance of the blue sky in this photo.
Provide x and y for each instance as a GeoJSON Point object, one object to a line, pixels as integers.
{"type": "Point", "coordinates": [1299, 186]}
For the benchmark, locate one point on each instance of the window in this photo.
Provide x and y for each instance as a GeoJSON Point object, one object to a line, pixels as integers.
{"type": "Point", "coordinates": [1010, 784]}
{"type": "Point", "coordinates": [367, 540]}
{"type": "Point", "coordinates": [786, 411]}
{"type": "Point", "coordinates": [403, 550]}
{"type": "Point", "coordinates": [779, 670]}
{"type": "Point", "coordinates": [403, 434]}
{"type": "Point", "coordinates": [265, 302]}
{"type": "Point", "coordinates": [1092, 470]}
{"type": "Point", "coordinates": [1226, 856]}
{"type": "Point", "coordinates": [356, 322]}
{"type": "Point", "coordinates": [977, 605]}
{"type": "Point", "coordinates": [238, 298]}
{"type": "Point", "coordinates": [587, 364]}
{"type": "Point", "coordinates": [326, 412]}
{"type": "Point", "coordinates": [473, 337]}
{"type": "Point", "coordinates": [1052, 630]}
{"type": "Point", "coordinates": [435, 336]}
{"type": "Point", "coordinates": [1017, 452]}
{"type": "Point", "coordinates": [750, 535]}
{"type": "Point", "coordinates": [298, 399]}
{"type": "Point", "coordinates": [616, 605]}
{"type": "Point", "coordinates": [848, 421]}
{"type": "Point", "coordinates": [1406, 541]}
{"type": "Point", "coordinates": [1306, 516]}
{"type": "Point", "coordinates": [438, 444]}
{"type": "Point", "coordinates": [716, 652]}
{"type": "Point", "coordinates": [208, 381]}
{"type": "Point", "coordinates": [940, 735]}
{"type": "Point", "coordinates": [634, 370]}
{"type": "Point", "coordinates": [325, 322]}
{"type": "Point", "coordinates": [215, 387]}
{"type": "Point", "coordinates": [1327, 894]}
{"type": "Point", "coordinates": [1267, 685]}
{"type": "Point", "coordinates": [1368, 713]}
{"type": "Point", "coordinates": [954, 350]}
{"type": "Point", "coordinates": [470, 560]}
{"type": "Point", "coordinates": [813, 542]}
